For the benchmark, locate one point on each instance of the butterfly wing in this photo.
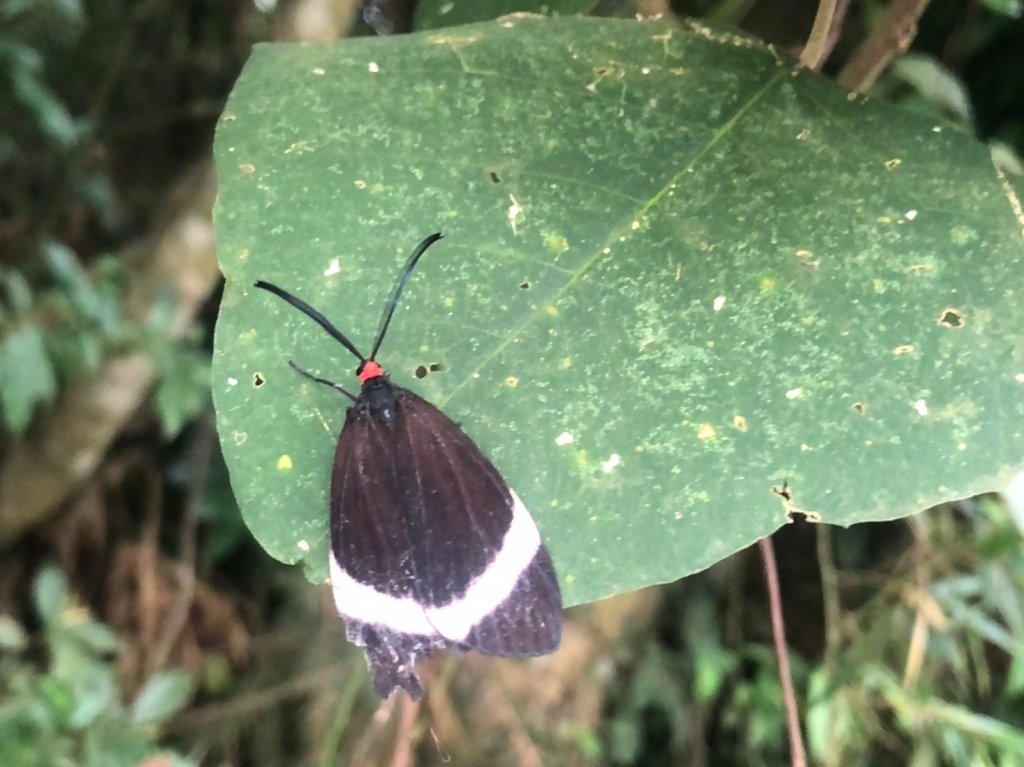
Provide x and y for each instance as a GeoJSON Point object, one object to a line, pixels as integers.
{"type": "Point", "coordinates": [487, 579]}
{"type": "Point", "coordinates": [430, 548]}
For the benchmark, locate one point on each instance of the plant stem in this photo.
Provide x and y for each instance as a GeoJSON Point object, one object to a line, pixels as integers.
{"type": "Point", "coordinates": [798, 756]}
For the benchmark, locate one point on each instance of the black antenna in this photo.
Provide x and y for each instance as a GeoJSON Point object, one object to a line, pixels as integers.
{"type": "Point", "coordinates": [326, 324]}
{"type": "Point", "coordinates": [389, 308]}
{"type": "Point", "coordinates": [313, 314]}
{"type": "Point", "coordinates": [324, 381]}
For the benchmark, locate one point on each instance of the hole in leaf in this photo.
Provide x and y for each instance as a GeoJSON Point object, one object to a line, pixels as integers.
{"type": "Point", "coordinates": [793, 512]}
{"type": "Point", "coordinates": [951, 318]}
{"type": "Point", "coordinates": [258, 379]}
{"type": "Point", "coordinates": [495, 178]}
{"type": "Point", "coordinates": [422, 371]}
{"type": "Point", "coordinates": [524, 285]}
{"type": "Point", "coordinates": [860, 408]}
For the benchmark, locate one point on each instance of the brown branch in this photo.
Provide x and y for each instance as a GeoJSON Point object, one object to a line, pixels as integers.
{"type": "Point", "coordinates": [798, 756]}
{"type": "Point", "coordinates": [828, 22]}
{"type": "Point", "coordinates": [893, 35]}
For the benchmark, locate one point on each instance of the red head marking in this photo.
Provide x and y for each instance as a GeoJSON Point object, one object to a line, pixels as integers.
{"type": "Point", "coordinates": [369, 369]}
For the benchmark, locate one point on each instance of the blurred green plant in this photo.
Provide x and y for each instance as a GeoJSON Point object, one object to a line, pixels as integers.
{"type": "Point", "coordinates": [70, 713]}
{"type": "Point", "coordinates": [723, 703]}
{"type": "Point", "coordinates": [83, 98]}
{"type": "Point", "coordinates": [183, 390]}
{"type": "Point", "coordinates": [65, 330]}
{"type": "Point", "coordinates": [926, 668]}
{"type": "Point", "coordinates": [44, 131]}
{"type": "Point", "coordinates": [56, 333]}
{"type": "Point", "coordinates": [930, 669]}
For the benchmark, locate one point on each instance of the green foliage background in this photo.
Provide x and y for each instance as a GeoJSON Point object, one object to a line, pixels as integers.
{"type": "Point", "coordinates": [906, 637]}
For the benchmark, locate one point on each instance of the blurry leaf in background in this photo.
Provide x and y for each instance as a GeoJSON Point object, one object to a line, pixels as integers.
{"type": "Point", "coordinates": [184, 386]}
{"type": "Point", "coordinates": [163, 696]}
{"type": "Point", "coordinates": [71, 713]}
{"type": "Point", "coordinates": [50, 593]}
{"type": "Point", "coordinates": [225, 530]}
{"type": "Point", "coordinates": [59, 333]}
{"type": "Point", "coordinates": [30, 92]}
{"type": "Point", "coordinates": [1011, 8]}
{"type": "Point", "coordinates": [75, 283]}
{"type": "Point", "coordinates": [17, 292]}
{"type": "Point", "coordinates": [12, 636]}
{"type": "Point", "coordinates": [27, 379]}
{"type": "Point", "coordinates": [678, 271]}
{"type": "Point", "coordinates": [935, 83]}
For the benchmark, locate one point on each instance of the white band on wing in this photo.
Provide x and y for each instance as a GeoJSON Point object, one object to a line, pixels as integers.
{"type": "Point", "coordinates": [454, 620]}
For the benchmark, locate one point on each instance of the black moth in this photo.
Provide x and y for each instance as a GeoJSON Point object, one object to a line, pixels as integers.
{"type": "Point", "coordinates": [429, 547]}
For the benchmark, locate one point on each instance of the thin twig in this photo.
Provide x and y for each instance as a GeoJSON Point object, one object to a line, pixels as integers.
{"type": "Point", "coordinates": [199, 469]}
{"type": "Point", "coordinates": [833, 628]}
{"type": "Point", "coordinates": [252, 704]}
{"type": "Point", "coordinates": [402, 755]}
{"type": "Point", "coordinates": [147, 572]}
{"type": "Point", "coordinates": [342, 719]}
{"type": "Point", "coordinates": [372, 734]}
{"type": "Point", "coordinates": [829, 594]}
{"type": "Point", "coordinates": [798, 756]}
{"type": "Point", "coordinates": [916, 650]}
{"type": "Point", "coordinates": [893, 35]}
{"type": "Point", "coordinates": [828, 22]}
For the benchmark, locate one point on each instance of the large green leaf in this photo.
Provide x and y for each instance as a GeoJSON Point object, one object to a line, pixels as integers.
{"type": "Point", "coordinates": [678, 272]}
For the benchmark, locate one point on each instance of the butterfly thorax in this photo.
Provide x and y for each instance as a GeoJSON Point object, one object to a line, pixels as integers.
{"type": "Point", "coordinates": [378, 397]}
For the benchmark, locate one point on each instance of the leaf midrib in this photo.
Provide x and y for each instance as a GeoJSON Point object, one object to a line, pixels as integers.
{"type": "Point", "coordinates": [620, 233]}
